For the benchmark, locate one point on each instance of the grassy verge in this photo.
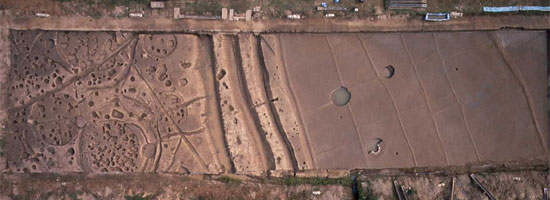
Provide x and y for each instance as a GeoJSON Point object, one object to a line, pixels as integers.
{"type": "Point", "coordinates": [229, 180]}
{"type": "Point", "coordinates": [291, 180]}
{"type": "Point", "coordinates": [2, 143]}
{"type": "Point", "coordinates": [277, 8]}
{"type": "Point", "coordinates": [204, 7]}
{"type": "Point", "coordinates": [110, 2]}
{"type": "Point", "coordinates": [139, 197]}
{"type": "Point", "coordinates": [365, 192]}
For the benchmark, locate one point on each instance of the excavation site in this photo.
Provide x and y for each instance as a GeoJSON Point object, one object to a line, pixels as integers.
{"type": "Point", "coordinates": [273, 104]}
{"type": "Point", "coordinates": [274, 100]}
{"type": "Point", "coordinates": [147, 105]}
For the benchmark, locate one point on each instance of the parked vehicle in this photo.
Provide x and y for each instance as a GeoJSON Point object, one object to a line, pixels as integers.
{"type": "Point", "coordinates": [437, 17]}
{"type": "Point", "coordinates": [294, 16]}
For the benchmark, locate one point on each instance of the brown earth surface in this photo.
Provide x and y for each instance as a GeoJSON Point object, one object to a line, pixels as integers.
{"type": "Point", "coordinates": [82, 101]}
{"type": "Point", "coordinates": [192, 100]}
{"type": "Point", "coordinates": [130, 102]}
{"type": "Point", "coordinates": [515, 183]}
{"type": "Point", "coordinates": [157, 186]}
{"type": "Point", "coordinates": [502, 185]}
{"type": "Point", "coordinates": [452, 97]}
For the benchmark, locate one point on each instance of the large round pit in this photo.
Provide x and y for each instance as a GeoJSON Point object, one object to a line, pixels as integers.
{"type": "Point", "coordinates": [341, 96]}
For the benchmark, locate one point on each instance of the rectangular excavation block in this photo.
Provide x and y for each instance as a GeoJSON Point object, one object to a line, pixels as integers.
{"type": "Point", "coordinates": [184, 103]}
{"type": "Point", "coordinates": [112, 102]}
{"type": "Point", "coordinates": [447, 99]}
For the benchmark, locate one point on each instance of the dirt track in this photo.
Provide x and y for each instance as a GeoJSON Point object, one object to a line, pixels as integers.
{"type": "Point", "coordinates": [380, 24]}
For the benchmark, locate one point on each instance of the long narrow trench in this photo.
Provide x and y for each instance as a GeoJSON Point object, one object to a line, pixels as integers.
{"type": "Point", "coordinates": [218, 105]}
{"type": "Point", "coordinates": [250, 105]}
{"type": "Point", "coordinates": [272, 109]}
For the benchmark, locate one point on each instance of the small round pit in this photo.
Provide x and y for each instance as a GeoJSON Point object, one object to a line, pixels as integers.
{"type": "Point", "coordinates": [388, 71]}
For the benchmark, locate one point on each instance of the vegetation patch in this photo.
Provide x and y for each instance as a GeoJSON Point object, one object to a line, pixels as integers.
{"type": "Point", "coordinates": [139, 197]}
{"type": "Point", "coordinates": [239, 5]}
{"type": "Point", "coordinates": [363, 191]}
{"type": "Point", "coordinates": [2, 144]}
{"type": "Point", "coordinates": [111, 2]}
{"type": "Point", "coordinates": [411, 191]}
{"type": "Point", "coordinates": [278, 7]}
{"type": "Point", "coordinates": [229, 180]}
{"type": "Point", "coordinates": [204, 7]}
{"type": "Point", "coordinates": [292, 180]}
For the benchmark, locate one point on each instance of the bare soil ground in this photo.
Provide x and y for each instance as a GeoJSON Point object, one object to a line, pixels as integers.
{"type": "Point", "coordinates": [142, 95]}
{"type": "Point", "coordinates": [157, 186]}
{"type": "Point", "coordinates": [522, 184]}
{"type": "Point", "coordinates": [123, 102]}
{"type": "Point", "coordinates": [439, 107]}
{"type": "Point", "coordinates": [120, 101]}
{"type": "Point", "coordinates": [503, 185]}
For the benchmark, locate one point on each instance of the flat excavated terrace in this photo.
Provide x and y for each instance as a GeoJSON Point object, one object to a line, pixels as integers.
{"type": "Point", "coordinates": [418, 99]}
{"type": "Point", "coordinates": [273, 103]}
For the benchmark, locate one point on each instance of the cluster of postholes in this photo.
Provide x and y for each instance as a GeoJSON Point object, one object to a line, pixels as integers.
{"type": "Point", "coordinates": [62, 82]}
